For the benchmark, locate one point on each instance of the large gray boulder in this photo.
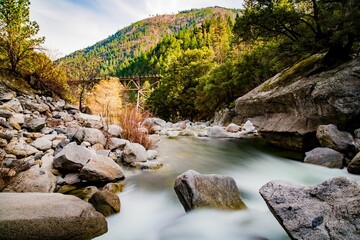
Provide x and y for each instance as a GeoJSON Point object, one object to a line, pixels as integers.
{"type": "Point", "coordinates": [134, 152]}
{"type": "Point", "coordinates": [101, 169]}
{"type": "Point", "coordinates": [287, 110]}
{"type": "Point", "coordinates": [44, 216]}
{"type": "Point", "coordinates": [330, 210]}
{"type": "Point", "coordinates": [32, 180]}
{"type": "Point", "coordinates": [20, 149]}
{"type": "Point", "coordinates": [196, 190]}
{"type": "Point", "coordinates": [114, 130]}
{"type": "Point", "coordinates": [153, 124]}
{"type": "Point", "coordinates": [329, 136]}
{"type": "Point", "coordinates": [354, 165]}
{"type": "Point", "coordinates": [72, 158]}
{"type": "Point", "coordinates": [91, 135]}
{"type": "Point", "coordinates": [326, 157]}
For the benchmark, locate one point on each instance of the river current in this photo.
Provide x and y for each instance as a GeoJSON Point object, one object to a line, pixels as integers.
{"type": "Point", "coordinates": [150, 209]}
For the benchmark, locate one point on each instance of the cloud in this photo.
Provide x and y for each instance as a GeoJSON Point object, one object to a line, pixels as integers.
{"type": "Point", "coordinates": [70, 25]}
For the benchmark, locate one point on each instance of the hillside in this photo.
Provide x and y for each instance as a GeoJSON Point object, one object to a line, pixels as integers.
{"type": "Point", "coordinates": [139, 37]}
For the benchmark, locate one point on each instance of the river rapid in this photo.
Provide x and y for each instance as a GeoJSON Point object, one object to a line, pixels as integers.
{"type": "Point", "coordinates": [151, 210]}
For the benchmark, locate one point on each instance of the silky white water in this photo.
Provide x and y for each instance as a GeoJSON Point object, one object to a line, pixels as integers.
{"type": "Point", "coordinates": [150, 208]}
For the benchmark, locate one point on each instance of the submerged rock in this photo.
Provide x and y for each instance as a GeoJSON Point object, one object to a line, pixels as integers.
{"type": "Point", "coordinates": [196, 190]}
{"type": "Point", "coordinates": [330, 210]}
{"type": "Point", "coordinates": [43, 216]}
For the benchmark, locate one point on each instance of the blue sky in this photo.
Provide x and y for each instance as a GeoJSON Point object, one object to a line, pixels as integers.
{"type": "Point", "coordinates": [70, 25]}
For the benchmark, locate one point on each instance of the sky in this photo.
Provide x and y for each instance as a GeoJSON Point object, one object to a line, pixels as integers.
{"type": "Point", "coordinates": [70, 25]}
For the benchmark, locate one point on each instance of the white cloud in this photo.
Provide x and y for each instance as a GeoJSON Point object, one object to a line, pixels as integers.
{"type": "Point", "coordinates": [70, 25]}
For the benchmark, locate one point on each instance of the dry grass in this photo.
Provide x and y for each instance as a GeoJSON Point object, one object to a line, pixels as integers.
{"type": "Point", "coordinates": [130, 121]}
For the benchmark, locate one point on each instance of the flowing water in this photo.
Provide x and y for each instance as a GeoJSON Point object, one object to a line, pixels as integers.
{"type": "Point", "coordinates": [150, 209]}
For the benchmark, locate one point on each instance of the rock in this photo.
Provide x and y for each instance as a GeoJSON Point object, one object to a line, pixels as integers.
{"type": "Point", "coordinates": [354, 165]}
{"type": "Point", "coordinates": [65, 116]}
{"type": "Point", "coordinates": [232, 127]}
{"type": "Point", "coordinates": [42, 143]}
{"type": "Point", "coordinates": [90, 135]}
{"type": "Point", "coordinates": [3, 143]}
{"type": "Point", "coordinates": [324, 157]}
{"type": "Point", "coordinates": [114, 130]}
{"type": "Point", "coordinates": [20, 149]}
{"type": "Point", "coordinates": [153, 124]}
{"type": "Point", "coordinates": [32, 180]}
{"type": "Point", "coordinates": [7, 96]}
{"type": "Point", "coordinates": [223, 117]}
{"type": "Point", "coordinates": [13, 105]}
{"type": "Point", "coordinates": [248, 127]}
{"type": "Point", "coordinates": [17, 118]}
{"type": "Point", "coordinates": [288, 111]}
{"type": "Point", "coordinates": [151, 154]}
{"type": "Point", "coordinates": [47, 160]}
{"type": "Point", "coordinates": [72, 157]}
{"type": "Point", "coordinates": [187, 133]}
{"type": "Point", "coordinates": [357, 133]}
{"type": "Point", "coordinates": [134, 152]}
{"type": "Point", "coordinates": [116, 143]}
{"type": "Point", "coordinates": [196, 190]}
{"type": "Point", "coordinates": [150, 165]}
{"type": "Point", "coordinates": [330, 210]}
{"type": "Point", "coordinates": [45, 216]}
{"type": "Point", "coordinates": [6, 134]}
{"type": "Point", "coordinates": [35, 124]}
{"type": "Point", "coordinates": [97, 147]}
{"type": "Point", "coordinates": [5, 113]}
{"type": "Point", "coordinates": [92, 121]}
{"type": "Point", "coordinates": [101, 169]}
{"type": "Point", "coordinates": [72, 178]}
{"type": "Point", "coordinates": [114, 187]}
{"type": "Point", "coordinates": [105, 202]}
{"type": "Point", "coordinates": [33, 106]}
{"type": "Point", "coordinates": [217, 132]}
{"type": "Point", "coordinates": [329, 136]}
{"type": "Point", "coordinates": [84, 193]}
{"type": "Point", "coordinates": [203, 134]}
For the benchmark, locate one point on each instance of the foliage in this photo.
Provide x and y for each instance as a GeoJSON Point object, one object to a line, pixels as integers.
{"type": "Point", "coordinates": [105, 98]}
{"type": "Point", "coordinates": [17, 35]}
{"type": "Point", "coordinates": [129, 120]}
{"type": "Point", "coordinates": [305, 26]}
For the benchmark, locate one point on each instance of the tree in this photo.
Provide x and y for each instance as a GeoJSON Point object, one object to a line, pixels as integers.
{"type": "Point", "coordinates": [17, 34]}
{"type": "Point", "coordinates": [83, 74]}
{"type": "Point", "coordinates": [308, 26]}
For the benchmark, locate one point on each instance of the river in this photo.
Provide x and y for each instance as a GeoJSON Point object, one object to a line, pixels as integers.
{"type": "Point", "coordinates": [150, 209]}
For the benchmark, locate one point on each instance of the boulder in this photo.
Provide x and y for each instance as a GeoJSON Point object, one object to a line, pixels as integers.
{"type": "Point", "coordinates": [43, 216]}
{"type": "Point", "coordinates": [223, 117]}
{"type": "Point", "coordinates": [116, 143]}
{"type": "Point", "coordinates": [232, 127]}
{"type": "Point", "coordinates": [114, 130]}
{"type": "Point", "coordinates": [330, 210]}
{"type": "Point", "coordinates": [326, 157]}
{"type": "Point", "coordinates": [196, 190]}
{"type": "Point", "coordinates": [134, 152]}
{"type": "Point", "coordinates": [17, 118]}
{"type": "Point", "coordinates": [72, 178]}
{"type": "Point", "coordinates": [105, 202]}
{"type": "Point", "coordinates": [354, 165]}
{"type": "Point", "coordinates": [84, 193]}
{"type": "Point", "coordinates": [187, 133]}
{"type": "Point", "coordinates": [287, 110]}
{"type": "Point", "coordinates": [329, 136]}
{"type": "Point", "coordinates": [91, 121]}
{"type": "Point", "coordinates": [33, 106]}
{"type": "Point", "coordinates": [20, 149]}
{"type": "Point", "coordinates": [7, 96]}
{"type": "Point", "coordinates": [151, 154]}
{"type": "Point", "coordinates": [101, 169]}
{"type": "Point", "coordinates": [47, 160]}
{"type": "Point", "coordinates": [217, 132]}
{"type": "Point", "coordinates": [91, 135]}
{"type": "Point", "coordinates": [72, 157]}
{"type": "Point", "coordinates": [153, 124]}
{"type": "Point", "coordinates": [35, 124]}
{"type": "Point", "coordinates": [42, 143]}
{"type": "Point", "coordinates": [248, 127]}
{"type": "Point", "coordinates": [32, 180]}
{"type": "Point", "coordinates": [13, 105]}
{"type": "Point", "coordinates": [5, 113]}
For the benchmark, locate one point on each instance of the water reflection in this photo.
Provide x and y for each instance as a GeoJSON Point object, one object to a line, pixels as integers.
{"type": "Point", "coordinates": [150, 209]}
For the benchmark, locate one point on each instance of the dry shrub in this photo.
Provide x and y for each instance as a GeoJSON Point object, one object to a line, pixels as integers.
{"type": "Point", "coordinates": [130, 121]}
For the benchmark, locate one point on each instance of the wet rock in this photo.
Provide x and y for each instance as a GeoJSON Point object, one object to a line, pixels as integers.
{"type": "Point", "coordinates": [329, 136]}
{"type": "Point", "coordinates": [134, 152]}
{"type": "Point", "coordinates": [232, 127]}
{"type": "Point", "coordinates": [101, 169]}
{"type": "Point", "coordinates": [105, 202]}
{"type": "Point", "coordinates": [114, 187]}
{"type": "Point", "coordinates": [354, 165]}
{"type": "Point", "coordinates": [84, 193]}
{"type": "Point", "coordinates": [330, 210]}
{"type": "Point", "coordinates": [20, 149]}
{"type": "Point", "coordinates": [72, 157]}
{"type": "Point", "coordinates": [196, 190]}
{"type": "Point", "coordinates": [32, 180]}
{"type": "Point", "coordinates": [326, 157]}
{"type": "Point", "coordinates": [150, 165]}
{"type": "Point", "coordinates": [114, 130]}
{"type": "Point", "coordinates": [217, 132]}
{"type": "Point", "coordinates": [48, 216]}
{"type": "Point", "coordinates": [35, 124]}
{"type": "Point", "coordinates": [90, 135]}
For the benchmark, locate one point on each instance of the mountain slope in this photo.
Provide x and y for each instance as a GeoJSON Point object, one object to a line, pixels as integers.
{"type": "Point", "coordinates": [131, 41]}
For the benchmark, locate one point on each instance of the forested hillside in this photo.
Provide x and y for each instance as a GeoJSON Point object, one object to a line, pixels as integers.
{"type": "Point", "coordinates": [139, 37]}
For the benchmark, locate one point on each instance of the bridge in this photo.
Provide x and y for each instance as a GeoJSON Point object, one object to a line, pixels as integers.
{"type": "Point", "coordinates": [137, 83]}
